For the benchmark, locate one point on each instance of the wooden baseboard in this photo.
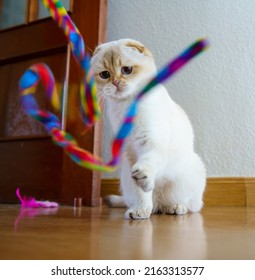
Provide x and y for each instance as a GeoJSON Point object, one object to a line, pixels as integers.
{"type": "Point", "coordinates": [224, 191]}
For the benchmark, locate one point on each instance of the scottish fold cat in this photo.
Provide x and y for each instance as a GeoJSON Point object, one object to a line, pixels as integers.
{"type": "Point", "coordinates": [160, 171]}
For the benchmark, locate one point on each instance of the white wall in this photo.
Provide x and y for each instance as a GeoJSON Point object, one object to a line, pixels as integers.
{"type": "Point", "coordinates": [217, 89]}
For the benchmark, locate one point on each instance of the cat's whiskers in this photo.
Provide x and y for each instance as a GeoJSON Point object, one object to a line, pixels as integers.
{"type": "Point", "coordinates": [101, 100]}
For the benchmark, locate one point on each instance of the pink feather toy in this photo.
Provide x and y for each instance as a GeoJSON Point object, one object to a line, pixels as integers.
{"type": "Point", "coordinates": [31, 202]}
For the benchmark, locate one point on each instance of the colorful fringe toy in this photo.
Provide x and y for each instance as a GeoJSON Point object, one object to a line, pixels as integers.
{"type": "Point", "coordinates": [88, 96]}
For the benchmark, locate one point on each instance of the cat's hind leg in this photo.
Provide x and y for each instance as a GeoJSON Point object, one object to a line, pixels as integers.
{"type": "Point", "coordinates": [184, 193]}
{"type": "Point", "coordinates": [115, 201]}
{"type": "Point", "coordinates": [176, 208]}
{"type": "Point", "coordinates": [165, 200]}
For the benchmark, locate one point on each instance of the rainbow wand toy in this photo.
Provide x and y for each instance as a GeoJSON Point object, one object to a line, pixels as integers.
{"type": "Point", "coordinates": [88, 95]}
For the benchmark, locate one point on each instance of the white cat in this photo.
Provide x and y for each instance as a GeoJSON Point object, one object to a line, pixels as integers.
{"type": "Point", "coordinates": [160, 172]}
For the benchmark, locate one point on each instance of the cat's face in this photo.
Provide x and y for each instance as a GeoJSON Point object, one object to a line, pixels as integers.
{"type": "Point", "coordinates": [121, 68]}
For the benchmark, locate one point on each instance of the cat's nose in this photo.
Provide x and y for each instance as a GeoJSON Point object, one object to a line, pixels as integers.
{"type": "Point", "coordinates": [116, 83]}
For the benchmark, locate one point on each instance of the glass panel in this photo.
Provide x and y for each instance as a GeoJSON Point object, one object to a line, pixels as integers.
{"type": "Point", "coordinates": [14, 121]}
{"type": "Point", "coordinates": [12, 13]}
{"type": "Point", "coordinates": [43, 13]}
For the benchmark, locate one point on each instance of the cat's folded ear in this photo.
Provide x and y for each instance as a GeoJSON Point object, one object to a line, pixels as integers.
{"type": "Point", "coordinates": [138, 47]}
{"type": "Point", "coordinates": [97, 49]}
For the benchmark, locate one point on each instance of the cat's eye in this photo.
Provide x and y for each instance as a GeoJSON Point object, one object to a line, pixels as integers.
{"type": "Point", "coordinates": [126, 70]}
{"type": "Point", "coordinates": [105, 75]}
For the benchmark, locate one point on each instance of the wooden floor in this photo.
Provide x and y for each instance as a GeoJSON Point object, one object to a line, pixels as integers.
{"type": "Point", "coordinates": [103, 233]}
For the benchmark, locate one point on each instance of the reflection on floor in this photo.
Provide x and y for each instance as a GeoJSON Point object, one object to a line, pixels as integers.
{"type": "Point", "coordinates": [103, 233]}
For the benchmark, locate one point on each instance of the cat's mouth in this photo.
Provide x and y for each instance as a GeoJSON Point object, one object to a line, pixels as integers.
{"type": "Point", "coordinates": [117, 93]}
{"type": "Point", "coordinates": [120, 93]}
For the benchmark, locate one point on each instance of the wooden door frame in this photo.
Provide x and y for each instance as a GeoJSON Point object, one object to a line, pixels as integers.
{"type": "Point", "coordinates": [90, 18]}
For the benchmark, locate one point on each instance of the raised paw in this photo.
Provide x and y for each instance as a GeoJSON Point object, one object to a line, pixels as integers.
{"type": "Point", "coordinates": [137, 214]}
{"type": "Point", "coordinates": [178, 209]}
{"type": "Point", "coordinates": [142, 177]}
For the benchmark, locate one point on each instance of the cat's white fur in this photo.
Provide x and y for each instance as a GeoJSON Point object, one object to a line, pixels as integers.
{"type": "Point", "coordinates": [160, 172]}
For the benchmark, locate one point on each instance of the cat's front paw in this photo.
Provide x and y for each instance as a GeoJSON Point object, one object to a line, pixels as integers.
{"type": "Point", "coordinates": [137, 214]}
{"type": "Point", "coordinates": [141, 175]}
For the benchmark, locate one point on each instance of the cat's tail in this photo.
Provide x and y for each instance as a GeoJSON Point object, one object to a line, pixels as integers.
{"type": "Point", "coordinates": [115, 201]}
